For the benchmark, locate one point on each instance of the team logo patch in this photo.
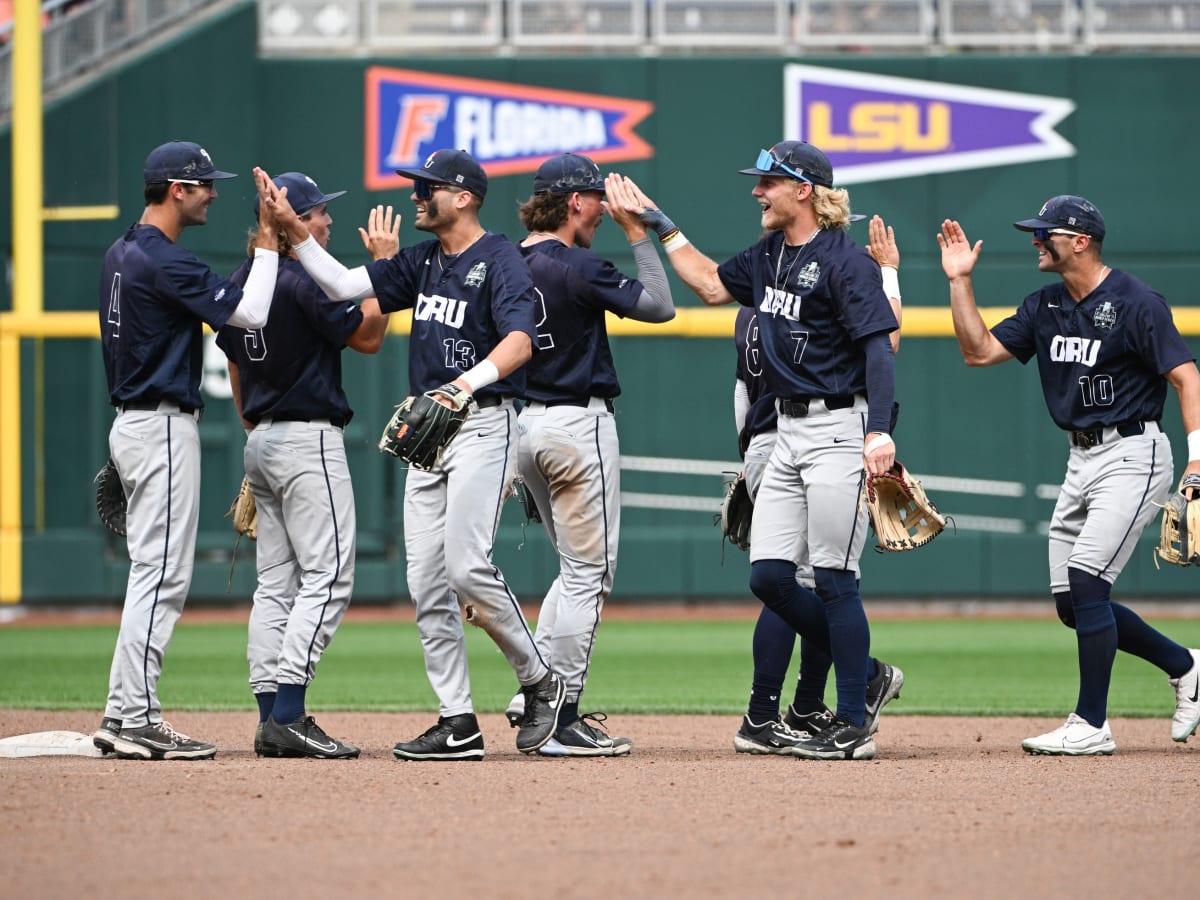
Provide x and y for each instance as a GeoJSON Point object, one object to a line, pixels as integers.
{"type": "Point", "coordinates": [476, 275]}
{"type": "Point", "coordinates": [808, 276]}
{"type": "Point", "coordinates": [1105, 315]}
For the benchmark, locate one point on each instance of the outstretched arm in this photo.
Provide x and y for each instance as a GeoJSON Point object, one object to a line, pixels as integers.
{"type": "Point", "coordinates": [978, 345]}
{"type": "Point", "coordinates": [883, 250]}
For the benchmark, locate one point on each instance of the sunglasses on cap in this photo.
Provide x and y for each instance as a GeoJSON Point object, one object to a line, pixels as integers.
{"type": "Point", "coordinates": [423, 189]}
{"type": "Point", "coordinates": [768, 162]}
{"type": "Point", "coordinates": [1043, 234]}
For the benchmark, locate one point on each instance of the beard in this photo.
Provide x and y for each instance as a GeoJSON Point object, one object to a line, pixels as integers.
{"type": "Point", "coordinates": [429, 222]}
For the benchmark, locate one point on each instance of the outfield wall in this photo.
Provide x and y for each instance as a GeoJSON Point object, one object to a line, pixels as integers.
{"type": "Point", "coordinates": [983, 439]}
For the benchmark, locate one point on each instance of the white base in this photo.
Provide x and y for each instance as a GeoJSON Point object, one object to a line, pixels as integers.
{"type": "Point", "coordinates": [48, 743]}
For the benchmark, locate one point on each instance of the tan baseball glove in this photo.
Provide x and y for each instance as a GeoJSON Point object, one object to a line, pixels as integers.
{"type": "Point", "coordinates": [243, 511]}
{"type": "Point", "coordinates": [1179, 536]}
{"type": "Point", "coordinates": [737, 512]}
{"type": "Point", "coordinates": [902, 514]}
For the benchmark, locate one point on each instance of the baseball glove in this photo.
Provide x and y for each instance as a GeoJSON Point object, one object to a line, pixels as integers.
{"type": "Point", "coordinates": [903, 516]}
{"type": "Point", "coordinates": [737, 511]}
{"type": "Point", "coordinates": [421, 428]}
{"type": "Point", "coordinates": [243, 511]}
{"type": "Point", "coordinates": [1179, 538]}
{"type": "Point", "coordinates": [110, 498]}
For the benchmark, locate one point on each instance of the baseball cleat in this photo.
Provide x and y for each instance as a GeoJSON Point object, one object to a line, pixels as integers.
{"type": "Point", "coordinates": [516, 710]}
{"type": "Point", "coordinates": [160, 741]}
{"type": "Point", "coordinates": [809, 723]}
{"type": "Point", "coordinates": [882, 690]}
{"type": "Point", "coordinates": [105, 736]}
{"type": "Point", "coordinates": [258, 732]}
{"type": "Point", "coordinates": [840, 740]}
{"type": "Point", "coordinates": [1187, 701]}
{"type": "Point", "coordinates": [583, 739]}
{"type": "Point", "coordinates": [773, 737]}
{"type": "Point", "coordinates": [302, 738]}
{"type": "Point", "coordinates": [453, 738]}
{"type": "Point", "coordinates": [1077, 737]}
{"type": "Point", "coordinates": [543, 702]}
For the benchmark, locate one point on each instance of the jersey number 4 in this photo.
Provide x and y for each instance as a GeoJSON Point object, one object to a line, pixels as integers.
{"type": "Point", "coordinates": [114, 305]}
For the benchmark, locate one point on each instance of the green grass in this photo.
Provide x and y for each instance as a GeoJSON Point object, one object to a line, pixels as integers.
{"type": "Point", "coordinates": [952, 666]}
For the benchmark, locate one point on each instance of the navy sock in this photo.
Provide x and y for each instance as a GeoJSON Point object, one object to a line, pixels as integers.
{"type": "Point", "coordinates": [1096, 635]}
{"type": "Point", "coordinates": [568, 714]}
{"type": "Point", "coordinates": [815, 663]}
{"type": "Point", "coordinates": [849, 639]}
{"type": "Point", "coordinates": [266, 702]}
{"type": "Point", "coordinates": [773, 581]}
{"type": "Point", "coordinates": [289, 703]}
{"type": "Point", "coordinates": [772, 647]}
{"type": "Point", "coordinates": [1136, 637]}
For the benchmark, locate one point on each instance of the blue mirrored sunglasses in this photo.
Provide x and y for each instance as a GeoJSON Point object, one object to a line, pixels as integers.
{"type": "Point", "coordinates": [1043, 234]}
{"type": "Point", "coordinates": [423, 189]}
{"type": "Point", "coordinates": [768, 163]}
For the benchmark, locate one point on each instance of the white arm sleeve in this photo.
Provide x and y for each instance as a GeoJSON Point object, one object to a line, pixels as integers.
{"type": "Point", "coordinates": [338, 282]}
{"type": "Point", "coordinates": [741, 404]}
{"type": "Point", "coordinates": [255, 307]}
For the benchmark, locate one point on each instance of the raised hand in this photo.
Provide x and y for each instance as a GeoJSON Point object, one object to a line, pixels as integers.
{"type": "Point", "coordinates": [958, 256]}
{"type": "Point", "coordinates": [882, 246]}
{"type": "Point", "coordinates": [381, 237]}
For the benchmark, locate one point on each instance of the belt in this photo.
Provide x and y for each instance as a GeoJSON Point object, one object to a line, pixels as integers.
{"type": "Point", "coordinates": [1110, 433]}
{"type": "Point", "coordinates": [583, 402]}
{"type": "Point", "coordinates": [268, 420]}
{"type": "Point", "coordinates": [490, 400]}
{"type": "Point", "coordinates": [167, 406]}
{"type": "Point", "coordinates": [799, 407]}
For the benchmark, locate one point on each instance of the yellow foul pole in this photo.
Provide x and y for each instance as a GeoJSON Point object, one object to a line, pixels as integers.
{"type": "Point", "coordinates": [27, 274]}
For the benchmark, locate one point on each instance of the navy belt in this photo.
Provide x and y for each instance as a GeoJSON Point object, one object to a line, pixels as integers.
{"type": "Point", "coordinates": [490, 400]}
{"type": "Point", "coordinates": [582, 402]}
{"type": "Point", "coordinates": [152, 405]}
{"type": "Point", "coordinates": [798, 407]}
{"type": "Point", "coordinates": [1097, 436]}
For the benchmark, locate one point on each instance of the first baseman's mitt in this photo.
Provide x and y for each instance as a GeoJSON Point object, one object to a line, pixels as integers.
{"type": "Point", "coordinates": [244, 512]}
{"type": "Point", "coordinates": [737, 512]}
{"type": "Point", "coordinates": [421, 428]}
{"type": "Point", "coordinates": [903, 516]}
{"type": "Point", "coordinates": [1179, 539]}
{"type": "Point", "coordinates": [110, 498]}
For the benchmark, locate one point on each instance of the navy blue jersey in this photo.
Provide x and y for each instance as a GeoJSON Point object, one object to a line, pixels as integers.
{"type": "Point", "coordinates": [761, 416]}
{"type": "Point", "coordinates": [814, 304]}
{"type": "Point", "coordinates": [291, 368]}
{"type": "Point", "coordinates": [154, 295]}
{"type": "Point", "coordinates": [462, 306]}
{"type": "Point", "coordinates": [573, 288]}
{"type": "Point", "coordinates": [1101, 360]}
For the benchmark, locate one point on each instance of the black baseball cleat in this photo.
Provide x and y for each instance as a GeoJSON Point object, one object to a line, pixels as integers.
{"type": "Point", "coordinates": [771, 737]}
{"type": "Point", "coordinates": [452, 738]}
{"type": "Point", "coordinates": [258, 747]}
{"type": "Point", "coordinates": [840, 740]}
{"type": "Point", "coordinates": [160, 741]}
{"type": "Point", "coordinates": [105, 736]}
{"type": "Point", "coordinates": [302, 738]}
{"type": "Point", "coordinates": [882, 690]}
{"type": "Point", "coordinates": [583, 738]}
{"type": "Point", "coordinates": [810, 722]}
{"type": "Point", "coordinates": [516, 710]}
{"type": "Point", "coordinates": [543, 702]}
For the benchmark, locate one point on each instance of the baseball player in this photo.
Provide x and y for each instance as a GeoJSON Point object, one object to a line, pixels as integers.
{"type": "Point", "coordinates": [154, 295]}
{"type": "Point", "coordinates": [824, 321]}
{"type": "Point", "coordinates": [569, 454]}
{"type": "Point", "coordinates": [473, 328]}
{"type": "Point", "coordinates": [287, 379]}
{"type": "Point", "coordinates": [762, 729]}
{"type": "Point", "coordinates": [1106, 349]}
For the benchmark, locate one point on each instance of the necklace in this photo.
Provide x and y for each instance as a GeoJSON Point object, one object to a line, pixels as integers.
{"type": "Point", "coordinates": [1103, 272]}
{"type": "Point", "coordinates": [446, 260]}
{"type": "Point", "coordinates": [783, 252]}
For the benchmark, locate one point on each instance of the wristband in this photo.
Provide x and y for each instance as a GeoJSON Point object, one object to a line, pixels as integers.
{"type": "Point", "coordinates": [1193, 441]}
{"type": "Point", "coordinates": [677, 241]}
{"type": "Point", "coordinates": [891, 281]}
{"type": "Point", "coordinates": [657, 219]}
{"type": "Point", "coordinates": [880, 440]}
{"type": "Point", "coordinates": [481, 376]}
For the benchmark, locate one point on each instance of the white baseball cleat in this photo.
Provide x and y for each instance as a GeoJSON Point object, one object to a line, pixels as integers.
{"type": "Point", "coordinates": [1077, 737]}
{"type": "Point", "coordinates": [1187, 701]}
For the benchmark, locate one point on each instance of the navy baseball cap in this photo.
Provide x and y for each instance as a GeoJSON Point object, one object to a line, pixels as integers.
{"type": "Point", "coordinates": [181, 161]}
{"type": "Point", "coordinates": [794, 159]}
{"type": "Point", "coordinates": [456, 167]}
{"type": "Point", "coordinates": [1067, 211]}
{"type": "Point", "coordinates": [567, 173]}
{"type": "Point", "coordinates": [303, 193]}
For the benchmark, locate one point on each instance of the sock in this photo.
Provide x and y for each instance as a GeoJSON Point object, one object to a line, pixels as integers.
{"type": "Point", "coordinates": [266, 702]}
{"type": "Point", "coordinates": [1136, 637]}
{"type": "Point", "coordinates": [568, 714]}
{"type": "Point", "coordinates": [849, 640]}
{"type": "Point", "coordinates": [772, 647]}
{"type": "Point", "coordinates": [289, 703]}
{"type": "Point", "coordinates": [1096, 635]}
{"type": "Point", "coordinates": [773, 581]}
{"type": "Point", "coordinates": [815, 663]}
